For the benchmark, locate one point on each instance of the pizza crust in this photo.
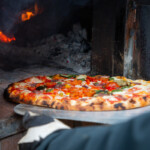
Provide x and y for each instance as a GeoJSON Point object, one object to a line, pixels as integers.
{"type": "Point", "coordinates": [99, 103]}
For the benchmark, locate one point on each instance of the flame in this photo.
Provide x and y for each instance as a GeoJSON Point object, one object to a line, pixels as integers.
{"type": "Point", "coordinates": [5, 39]}
{"type": "Point", "coordinates": [28, 14]}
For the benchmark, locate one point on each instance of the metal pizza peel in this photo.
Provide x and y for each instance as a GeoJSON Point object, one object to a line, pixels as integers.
{"type": "Point", "coordinates": [104, 117]}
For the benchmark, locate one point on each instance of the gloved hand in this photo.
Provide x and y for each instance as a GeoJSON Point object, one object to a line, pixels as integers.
{"type": "Point", "coordinates": [39, 127]}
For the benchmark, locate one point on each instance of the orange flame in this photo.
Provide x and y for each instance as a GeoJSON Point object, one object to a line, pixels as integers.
{"type": "Point", "coordinates": [5, 39]}
{"type": "Point", "coordinates": [28, 14]}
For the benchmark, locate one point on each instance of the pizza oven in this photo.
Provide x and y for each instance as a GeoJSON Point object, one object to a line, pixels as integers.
{"type": "Point", "coordinates": [46, 37]}
{"type": "Point", "coordinates": [46, 33]}
{"type": "Point", "coordinates": [87, 36]}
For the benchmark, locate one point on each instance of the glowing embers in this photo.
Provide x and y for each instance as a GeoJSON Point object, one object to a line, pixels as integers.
{"type": "Point", "coordinates": [27, 14]}
{"type": "Point", "coordinates": [5, 39]}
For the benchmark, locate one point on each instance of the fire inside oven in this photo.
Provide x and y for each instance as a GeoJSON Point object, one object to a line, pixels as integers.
{"type": "Point", "coordinates": [46, 33]}
{"type": "Point", "coordinates": [87, 36]}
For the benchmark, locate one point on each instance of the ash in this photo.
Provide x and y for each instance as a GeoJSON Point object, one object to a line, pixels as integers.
{"type": "Point", "coordinates": [71, 51]}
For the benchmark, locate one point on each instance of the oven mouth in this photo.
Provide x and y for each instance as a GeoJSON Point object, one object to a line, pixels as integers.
{"type": "Point", "coordinates": [46, 33]}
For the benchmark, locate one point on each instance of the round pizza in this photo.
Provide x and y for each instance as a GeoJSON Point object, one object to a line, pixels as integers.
{"type": "Point", "coordinates": [81, 92]}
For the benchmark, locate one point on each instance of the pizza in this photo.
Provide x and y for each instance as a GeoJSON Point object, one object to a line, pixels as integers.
{"type": "Point", "coordinates": [80, 92]}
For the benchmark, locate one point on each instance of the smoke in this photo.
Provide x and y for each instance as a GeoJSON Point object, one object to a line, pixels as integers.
{"type": "Point", "coordinates": [9, 10]}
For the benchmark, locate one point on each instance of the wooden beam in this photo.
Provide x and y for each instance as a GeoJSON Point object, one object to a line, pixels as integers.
{"type": "Point", "coordinates": [107, 51]}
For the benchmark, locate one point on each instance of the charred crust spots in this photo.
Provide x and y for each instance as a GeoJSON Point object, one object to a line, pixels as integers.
{"type": "Point", "coordinates": [52, 104]}
{"type": "Point", "coordinates": [137, 83]}
{"type": "Point", "coordinates": [121, 97]}
{"type": "Point", "coordinates": [82, 109]}
{"type": "Point", "coordinates": [10, 85]}
{"type": "Point", "coordinates": [6, 94]}
{"type": "Point", "coordinates": [15, 100]}
{"type": "Point", "coordinates": [85, 86]}
{"type": "Point", "coordinates": [91, 104]}
{"type": "Point", "coordinates": [65, 101]}
{"type": "Point", "coordinates": [30, 102]}
{"type": "Point", "coordinates": [83, 99]}
{"type": "Point", "coordinates": [145, 98]}
{"type": "Point", "coordinates": [132, 101]}
{"type": "Point", "coordinates": [119, 105]}
{"type": "Point", "coordinates": [22, 100]}
{"type": "Point", "coordinates": [101, 105]}
{"type": "Point", "coordinates": [62, 107]}
{"type": "Point", "coordinates": [45, 103]}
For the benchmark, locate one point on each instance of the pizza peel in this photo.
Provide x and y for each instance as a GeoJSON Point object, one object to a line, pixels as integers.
{"type": "Point", "coordinates": [104, 117]}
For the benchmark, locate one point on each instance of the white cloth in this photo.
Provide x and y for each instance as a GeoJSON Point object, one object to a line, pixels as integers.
{"type": "Point", "coordinates": [40, 132]}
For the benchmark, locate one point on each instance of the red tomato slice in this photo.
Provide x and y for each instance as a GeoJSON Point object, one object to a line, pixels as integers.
{"type": "Point", "coordinates": [104, 80]}
{"type": "Point", "coordinates": [31, 88]}
{"type": "Point", "coordinates": [111, 86]}
{"type": "Point", "coordinates": [91, 78]}
{"type": "Point", "coordinates": [50, 84]}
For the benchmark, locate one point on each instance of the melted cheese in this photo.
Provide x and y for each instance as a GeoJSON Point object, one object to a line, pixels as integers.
{"type": "Point", "coordinates": [26, 91]}
{"type": "Point", "coordinates": [81, 77]}
{"type": "Point", "coordinates": [61, 93]}
{"type": "Point", "coordinates": [78, 86]}
{"type": "Point", "coordinates": [35, 80]}
{"type": "Point", "coordinates": [83, 83]}
{"type": "Point", "coordinates": [21, 84]}
{"type": "Point", "coordinates": [73, 102]}
{"type": "Point", "coordinates": [110, 98]}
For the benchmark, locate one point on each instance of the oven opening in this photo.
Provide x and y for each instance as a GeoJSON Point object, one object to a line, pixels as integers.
{"type": "Point", "coordinates": [85, 37]}
{"type": "Point", "coordinates": [48, 33]}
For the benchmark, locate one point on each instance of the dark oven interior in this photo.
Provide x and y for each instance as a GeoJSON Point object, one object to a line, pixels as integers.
{"type": "Point", "coordinates": [39, 37]}
{"type": "Point", "coordinates": [48, 33]}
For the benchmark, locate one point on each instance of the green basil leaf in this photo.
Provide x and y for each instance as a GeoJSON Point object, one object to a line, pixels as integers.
{"type": "Point", "coordinates": [111, 78]}
{"type": "Point", "coordinates": [93, 75]}
{"type": "Point", "coordinates": [68, 75]}
{"type": "Point", "coordinates": [50, 76]}
{"type": "Point", "coordinates": [96, 84]}
{"type": "Point", "coordinates": [102, 91]}
{"type": "Point", "coordinates": [82, 79]}
{"type": "Point", "coordinates": [59, 82]}
{"type": "Point", "coordinates": [119, 90]}
{"type": "Point", "coordinates": [124, 87]}
{"type": "Point", "coordinates": [49, 90]}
